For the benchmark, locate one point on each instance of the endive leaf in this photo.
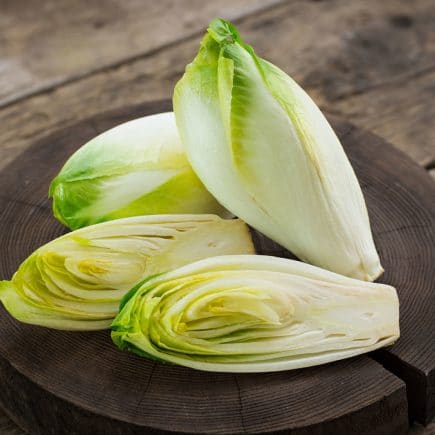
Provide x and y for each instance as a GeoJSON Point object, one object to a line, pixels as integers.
{"type": "Point", "coordinates": [136, 168]}
{"type": "Point", "coordinates": [263, 148]}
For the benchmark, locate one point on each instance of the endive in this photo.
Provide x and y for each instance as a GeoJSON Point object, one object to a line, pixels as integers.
{"type": "Point", "coordinates": [263, 148]}
{"type": "Point", "coordinates": [76, 281]}
{"type": "Point", "coordinates": [248, 313]}
{"type": "Point", "coordinates": [136, 168]}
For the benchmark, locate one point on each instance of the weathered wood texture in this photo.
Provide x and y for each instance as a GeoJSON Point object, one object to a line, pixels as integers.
{"type": "Point", "coordinates": [69, 40]}
{"type": "Point", "coordinates": [8, 427]}
{"type": "Point", "coordinates": [370, 61]}
{"type": "Point", "coordinates": [63, 382]}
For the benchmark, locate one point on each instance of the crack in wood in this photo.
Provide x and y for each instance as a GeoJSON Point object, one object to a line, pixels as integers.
{"type": "Point", "coordinates": [145, 391]}
{"type": "Point", "coordinates": [429, 166]}
{"type": "Point", "coordinates": [239, 393]}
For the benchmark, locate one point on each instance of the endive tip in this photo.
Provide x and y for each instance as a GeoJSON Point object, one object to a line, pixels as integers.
{"type": "Point", "coordinates": [223, 31]}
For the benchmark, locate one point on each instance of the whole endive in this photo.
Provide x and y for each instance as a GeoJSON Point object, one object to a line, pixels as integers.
{"type": "Point", "coordinates": [137, 168]}
{"type": "Point", "coordinates": [75, 282]}
{"type": "Point", "coordinates": [249, 313]}
{"type": "Point", "coordinates": [263, 148]}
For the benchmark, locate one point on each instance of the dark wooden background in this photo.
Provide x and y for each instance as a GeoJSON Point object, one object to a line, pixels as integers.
{"type": "Point", "coordinates": [371, 62]}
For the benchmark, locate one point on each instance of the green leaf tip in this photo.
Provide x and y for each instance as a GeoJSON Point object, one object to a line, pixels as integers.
{"type": "Point", "coordinates": [223, 32]}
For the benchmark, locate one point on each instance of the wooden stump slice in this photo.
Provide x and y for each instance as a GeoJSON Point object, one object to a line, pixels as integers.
{"type": "Point", "coordinates": [56, 382]}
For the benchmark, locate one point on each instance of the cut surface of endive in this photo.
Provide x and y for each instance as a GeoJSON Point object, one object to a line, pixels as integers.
{"type": "Point", "coordinates": [76, 281]}
{"type": "Point", "coordinates": [254, 313]}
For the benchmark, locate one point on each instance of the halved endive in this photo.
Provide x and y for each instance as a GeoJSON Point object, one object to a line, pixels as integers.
{"type": "Point", "coordinates": [263, 148]}
{"type": "Point", "coordinates": [136, 168]}
{"type": "Point", "coordinates": [76, 281]}
{"type": "Point", "coordinates": [248, 313]}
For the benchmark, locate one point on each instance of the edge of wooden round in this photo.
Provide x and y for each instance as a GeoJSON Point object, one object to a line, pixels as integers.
{"type": "Point", "coordinates": [55, 381]}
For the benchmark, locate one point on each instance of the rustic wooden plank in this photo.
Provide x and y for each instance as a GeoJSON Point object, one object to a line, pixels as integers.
{"type": "Point", "coordinates": [338, 60]}
{"type": "Point", "coordinates": [58, 42]}
{"type": "Point", "coordinates": [89, 386]}
{"type": "Point", "coordinates": [406, 112]}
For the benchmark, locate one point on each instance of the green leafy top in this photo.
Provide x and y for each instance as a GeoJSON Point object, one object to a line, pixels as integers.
{"type": "Point", "coordinates": [223, 32]}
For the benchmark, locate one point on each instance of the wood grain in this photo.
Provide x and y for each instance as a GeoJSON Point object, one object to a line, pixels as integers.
{"type": "Point", "coordinates": [8, 427]}
{"type": "Point", "coordinates": [371, 62]}
{"type": "Point", "coordinates": [58, 42]}
{"type": "Point", "coordinates": [89, 386]}
{"type": "Point", "coordinates": [407, 213]}
{"type": "Point", "coordinates": [167, 398]}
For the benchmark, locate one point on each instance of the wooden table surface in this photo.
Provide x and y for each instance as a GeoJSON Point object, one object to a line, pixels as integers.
{"type": "Point", "coordinates": [370, 62]}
